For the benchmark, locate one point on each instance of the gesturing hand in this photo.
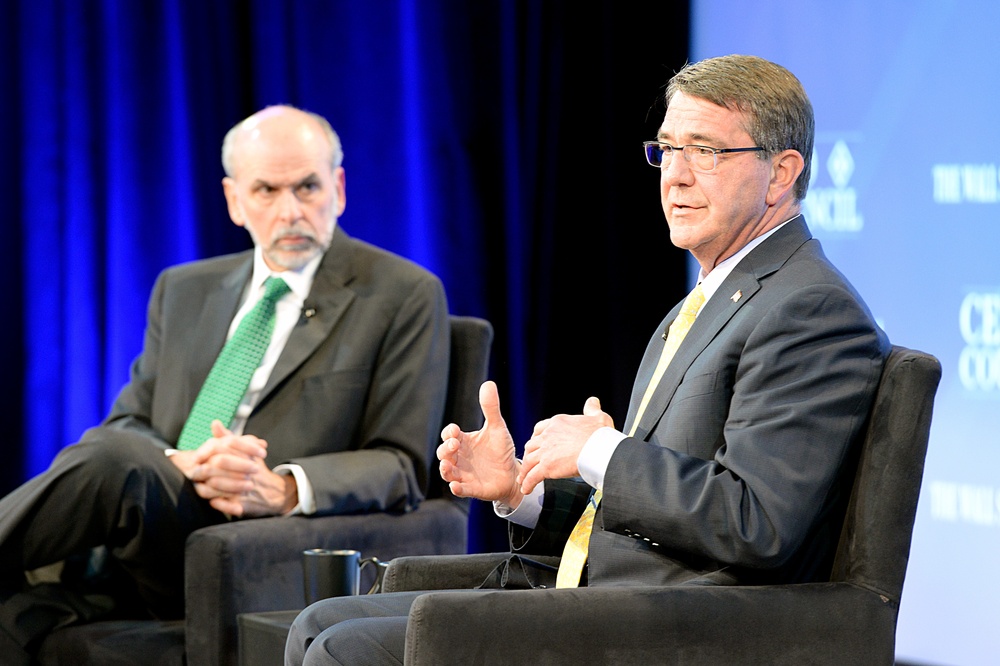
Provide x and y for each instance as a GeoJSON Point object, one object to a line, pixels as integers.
{"type": "Point", "coordinates": [555, 445]}
{"type": "Point", "coordinates": [481, 464]}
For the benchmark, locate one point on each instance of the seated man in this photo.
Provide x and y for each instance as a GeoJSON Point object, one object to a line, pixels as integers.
{"type": "Point", "coordinates": [326, 397]}
{"type": "Point", "coordinates": [750, 399]}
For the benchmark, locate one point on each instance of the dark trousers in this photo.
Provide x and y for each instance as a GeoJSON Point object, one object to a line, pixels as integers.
{"type": "Point", "coordinates": [114, 490]}
{"type": "Point", "coordinates": [370, 630]}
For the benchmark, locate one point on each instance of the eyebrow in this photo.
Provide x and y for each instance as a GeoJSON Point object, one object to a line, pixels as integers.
{"type": "Point", "coordinates": [701, 139]}
{"type": "Point", "coordinates": [312, 177]}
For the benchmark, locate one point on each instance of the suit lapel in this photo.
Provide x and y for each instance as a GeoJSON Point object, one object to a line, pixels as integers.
{"type": "Point", "coordinates": [720, 309]}
{"type": "Point", "coordinates": [328, 299]}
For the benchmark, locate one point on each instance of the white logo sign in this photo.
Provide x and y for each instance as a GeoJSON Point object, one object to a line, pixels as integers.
{"type": "Point", "coordinates": [966, 183]}
{"type": "Point", "coordinates": [979, 322]}
{"type": "Point", "coordinates": [834, 208]}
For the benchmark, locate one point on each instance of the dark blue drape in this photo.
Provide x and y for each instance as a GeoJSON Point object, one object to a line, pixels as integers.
{"type": "Point", "coordinates": [495, 142]}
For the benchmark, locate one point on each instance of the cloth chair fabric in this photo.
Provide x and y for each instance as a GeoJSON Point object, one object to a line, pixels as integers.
{"type": "Point", "coordinates": [256, 565]}
{"type": "Point", "coordinates": [848, 619]}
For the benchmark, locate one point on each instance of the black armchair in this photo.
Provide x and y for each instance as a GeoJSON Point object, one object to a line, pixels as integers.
{"type": "Point", "coordinates": [256, 565]}
{"type": "Point", "coordinates": [850, 619]}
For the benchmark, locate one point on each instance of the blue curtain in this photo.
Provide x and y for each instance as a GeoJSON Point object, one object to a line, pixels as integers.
{"type": "Point", "coordinates": [494, 142]}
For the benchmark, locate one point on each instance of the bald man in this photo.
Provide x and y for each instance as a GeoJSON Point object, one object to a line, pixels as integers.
{"type": "Point", "coordinates": [340, 416]}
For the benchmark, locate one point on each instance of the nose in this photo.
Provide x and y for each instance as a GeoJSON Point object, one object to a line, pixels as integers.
{"type": "Point", "coordinates": [289, 206]}
{"type": "Point", "coordinates": [677, 171]}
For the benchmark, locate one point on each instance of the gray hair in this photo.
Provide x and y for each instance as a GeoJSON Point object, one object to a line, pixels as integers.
{"type": "Point", "coordinates": [229, 141]}
{"type": "Point", "coordinates": [778, 113]}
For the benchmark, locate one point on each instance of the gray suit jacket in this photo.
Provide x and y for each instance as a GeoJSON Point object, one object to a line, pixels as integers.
{"type": "Point", "coordinates": [357, 395]}
{"type": "Point", "coordinates": [735, 471]}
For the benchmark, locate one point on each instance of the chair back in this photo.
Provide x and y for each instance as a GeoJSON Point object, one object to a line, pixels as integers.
{"type": "Point", "coordinates": [875, 541]}
{"type": "Point", "coordinates": [471, 342]}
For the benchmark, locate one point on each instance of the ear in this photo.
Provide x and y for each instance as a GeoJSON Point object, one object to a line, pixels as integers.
{"type": "Point", "coordinates": [340, 186]}
{"type": "Point", "coordinates": [785, 169]}
{"type": "Point", "coordinates": [232, 196]}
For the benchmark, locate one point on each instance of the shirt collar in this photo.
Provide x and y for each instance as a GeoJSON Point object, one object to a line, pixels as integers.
{"type": "Point", "coordinates": [299, 281]}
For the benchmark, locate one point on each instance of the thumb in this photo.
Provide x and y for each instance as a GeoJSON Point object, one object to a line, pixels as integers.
{"type": "Point", "coordinates": [489, 401]}
{"type": "Point", "coordinates": [592, 407]}
{"type": "Point", "coordinates": [219, 430]}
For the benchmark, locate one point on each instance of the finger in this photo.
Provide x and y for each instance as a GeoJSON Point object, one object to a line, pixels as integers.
{"type": "Point", "coordinates": [527, 464]}
{"type": "Point", "coordinates": [198, 474]}
{"type": "Point", "coordinates": [205, 451]}
{"type": "Point", "coordinates": [236, 465]}
{"type": "Point", "coordinates": [529, 482]}
{"type": "Point", "coordinates": [540, 426]}
{"type": "Point", "coordinates": [226, 506]}
{"type": "Point", "coordinates": [489, 401]}
{"type": "Point", "coordinates": [250, 446]}
{"type": "Point", "coordinates": [450, 431]}
{"type": "Point", "coordinates": [446, 450]}
{"type": "Point", "coordinates": [205, 491]}
{"type": "Point", "coordinates": [532, 445]}
{"type": "Point", "coordinates": [592, 407]}
{"type": "Point", "coordinates": [229, 486]}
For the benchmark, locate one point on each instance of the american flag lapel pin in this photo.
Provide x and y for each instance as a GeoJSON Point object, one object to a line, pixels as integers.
{"type": "Point", "coordinates": [737, 296]}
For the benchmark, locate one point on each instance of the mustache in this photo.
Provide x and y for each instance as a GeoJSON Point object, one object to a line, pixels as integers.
{"type": "Point", "coordinates": [299, 234]}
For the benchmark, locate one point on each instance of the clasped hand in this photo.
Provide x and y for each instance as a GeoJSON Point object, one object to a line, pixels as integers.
{"type": "Point", "coordinates": [229, 471]}
{"type": "Point", "coordinates": [483, 464]}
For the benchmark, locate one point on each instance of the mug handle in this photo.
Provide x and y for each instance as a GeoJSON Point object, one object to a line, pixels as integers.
{"type": "Point", "coordinates": [380, 568]}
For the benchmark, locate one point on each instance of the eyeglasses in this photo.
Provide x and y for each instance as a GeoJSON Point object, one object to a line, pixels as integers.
{"type": "Point", "coordinates": [702, 158]}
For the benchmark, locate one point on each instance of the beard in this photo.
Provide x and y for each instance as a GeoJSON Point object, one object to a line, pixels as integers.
{"type": "Point", "coordinates": [292, 249]}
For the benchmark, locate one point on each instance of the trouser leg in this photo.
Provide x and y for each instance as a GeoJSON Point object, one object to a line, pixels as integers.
{"type": "Point", "coordinates": [366, 630]}
{"type": "Point", "coordinates": [329, 631]}
{"type": "Point", "coordinates": [113, 489]}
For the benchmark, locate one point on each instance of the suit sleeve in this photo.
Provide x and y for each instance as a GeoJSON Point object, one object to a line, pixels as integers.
{"type": "Point", "coordinates": [785, 410]}
{"type": "Point", "coordinates": [401, 420]}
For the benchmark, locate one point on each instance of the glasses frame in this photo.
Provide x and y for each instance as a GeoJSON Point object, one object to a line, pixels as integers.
{"type": "Point", "coordinates": [646, 145]}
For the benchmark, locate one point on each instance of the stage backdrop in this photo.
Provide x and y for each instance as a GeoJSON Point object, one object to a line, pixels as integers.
{"type": "Point", "coordinates": [496, 142]}
{"type": "Point", "coordinates": [906, 200]}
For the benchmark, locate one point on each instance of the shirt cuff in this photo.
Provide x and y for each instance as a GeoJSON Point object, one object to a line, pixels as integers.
{"type": "Point", "coordinates": [527, 512]}
{"type": "Point", "coordinates": [307, 497]}
{"type": "Point", "coordinates": [595, 456]}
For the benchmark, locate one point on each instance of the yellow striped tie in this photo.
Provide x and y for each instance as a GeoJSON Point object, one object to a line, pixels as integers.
{"type": "Point", "coordinates": [575, 552]}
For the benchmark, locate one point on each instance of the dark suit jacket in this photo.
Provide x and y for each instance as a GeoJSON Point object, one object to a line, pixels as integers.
{"type": "Point", "coordinates": [357, 395]}
{"type": "Point", "coordinates": [735, 471]}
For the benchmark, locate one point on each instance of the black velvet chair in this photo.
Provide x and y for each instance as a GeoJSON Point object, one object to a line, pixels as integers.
{"type": "Point", "coordinates": [849, 619]}
{"type": "Point", "coordinates": [256, 565]}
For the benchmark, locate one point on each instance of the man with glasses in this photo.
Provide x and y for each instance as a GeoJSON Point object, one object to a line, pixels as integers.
{"type": "Point", "coordinates": [337, 411]}
{"type": "Point", "coordinates": [752, 394]}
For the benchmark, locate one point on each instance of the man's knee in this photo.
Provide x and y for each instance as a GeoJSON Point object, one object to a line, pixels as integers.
{"type": "Point", "coordinates": [115, 456]}
{"type": "Point", "coordinates": [367, 641]}
{"type": "Point", "coordinates": [323, 616]}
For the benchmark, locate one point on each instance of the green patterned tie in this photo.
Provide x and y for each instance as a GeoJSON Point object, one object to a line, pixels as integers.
{"type": "Point", "coordinates": [227, 382]}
